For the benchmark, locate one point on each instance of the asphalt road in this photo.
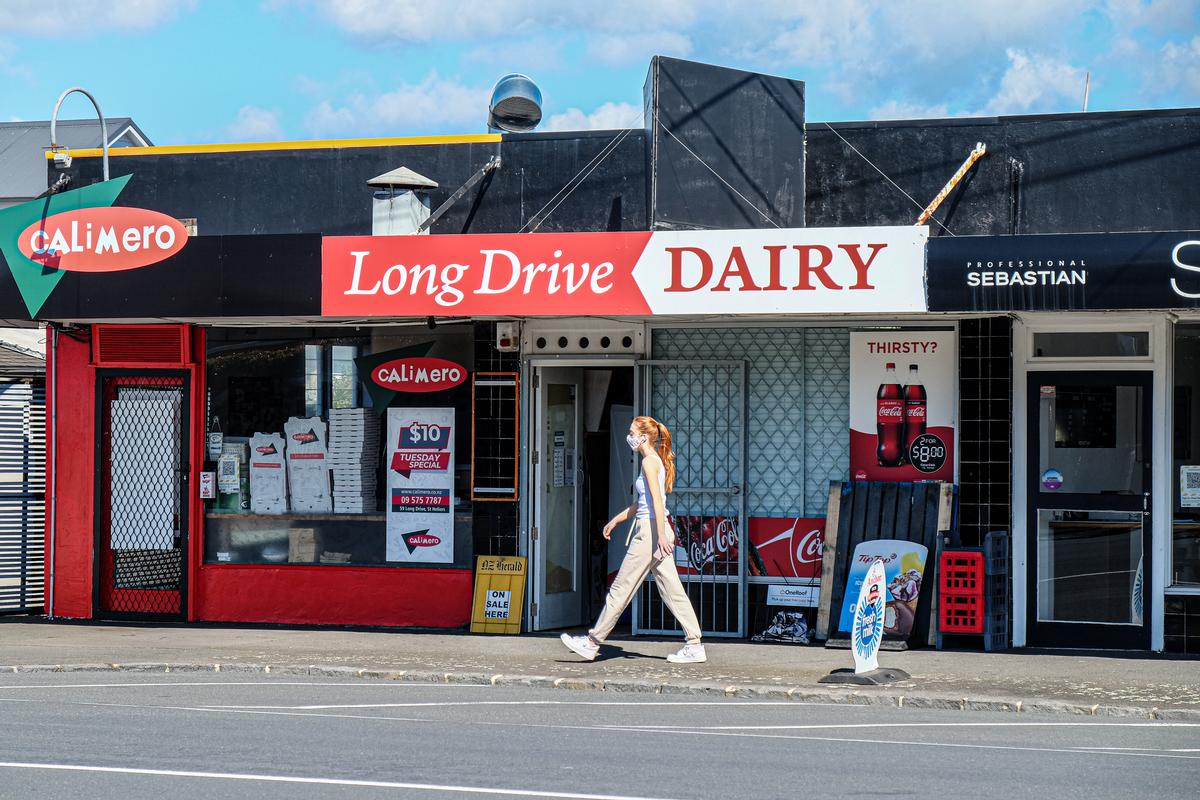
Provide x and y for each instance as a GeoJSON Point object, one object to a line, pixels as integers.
{"type": "Point", "coordinates": [212, 736]}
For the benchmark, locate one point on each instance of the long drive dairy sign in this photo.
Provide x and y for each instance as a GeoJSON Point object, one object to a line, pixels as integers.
{"type": "Point", "coordinates": [803, 270]}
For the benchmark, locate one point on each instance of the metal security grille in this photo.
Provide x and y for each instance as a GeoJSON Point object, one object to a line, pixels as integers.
{"type": "Point", "coordinates": [142, 519]}
{"type": "Point", "coordinates": [22, 494]}
{"type": "Point", "coordinates": [703, 403]}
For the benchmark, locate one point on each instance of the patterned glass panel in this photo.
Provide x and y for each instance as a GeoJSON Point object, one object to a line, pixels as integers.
{"type": "Point", "coordinates": [797, 414]}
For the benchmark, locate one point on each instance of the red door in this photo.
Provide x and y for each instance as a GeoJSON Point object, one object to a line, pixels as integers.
{"type": "Point", "coordinates": [142, 494]}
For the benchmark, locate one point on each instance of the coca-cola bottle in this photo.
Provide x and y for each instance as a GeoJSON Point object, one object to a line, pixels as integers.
{"type": "Point", "coordinates": [889, 420]}
{"type": "Point", "coordinates": [915, 406]}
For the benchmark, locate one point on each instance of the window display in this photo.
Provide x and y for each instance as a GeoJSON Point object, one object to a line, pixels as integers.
{"type": "Point", "coordinates": [1185, 534]}
{"type": "Point", "coordinates": [307, 471]}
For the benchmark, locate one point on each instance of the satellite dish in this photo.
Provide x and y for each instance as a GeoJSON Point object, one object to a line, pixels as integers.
{"type": "Point", "coordinates": [516, 104]}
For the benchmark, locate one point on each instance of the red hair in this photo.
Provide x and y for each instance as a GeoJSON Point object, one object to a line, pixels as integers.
{"type": "Point", "coordinates": [660, 439]}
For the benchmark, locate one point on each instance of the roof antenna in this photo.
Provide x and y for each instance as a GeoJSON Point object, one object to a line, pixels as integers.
{"type": "Point", "coordinates": [1087, 85]}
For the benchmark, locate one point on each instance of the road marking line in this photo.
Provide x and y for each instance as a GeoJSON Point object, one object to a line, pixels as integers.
{"type": "Point", "coordinates": [236, 776]}
{"type": "Point", "coordinates": [388, 685]}
{"type": "Point", "coordinates": [726, 703]}
{"type": "Point", "coordinates": [1147, 724]}
{"type": "Point", "coordinates": [900, 742]}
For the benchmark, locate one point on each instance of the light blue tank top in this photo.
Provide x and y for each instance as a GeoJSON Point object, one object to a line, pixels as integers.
{"type": "Point", "coordinates": [645, 508]}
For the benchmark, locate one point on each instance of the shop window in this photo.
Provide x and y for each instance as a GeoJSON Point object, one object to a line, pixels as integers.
{"type": "Point", "coordinates": [340, 446]}
{"type": "Point", "coordinates": [1185, 535]}
{"type": "Point", "coordinates": [1092, 344]}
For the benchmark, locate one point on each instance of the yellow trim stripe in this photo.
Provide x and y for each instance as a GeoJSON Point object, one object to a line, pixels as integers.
{"type": "Point", "coordinates": [316, 144]}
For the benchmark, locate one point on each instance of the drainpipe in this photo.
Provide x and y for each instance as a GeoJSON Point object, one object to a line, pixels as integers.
{"type": "Point", "coordinates": [53, 465]}
{"type": "Point", "coordinates": [103, 123]}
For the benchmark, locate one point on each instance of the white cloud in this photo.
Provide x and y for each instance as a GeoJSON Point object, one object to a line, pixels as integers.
{"type": "Point", "coordinates": [433, 105]}
{"type": "Point", "coordinates": [254, 124]}
{"type": "Point", "coordinates": [80, 17]}
{"type": "Point", "coordinates": [899, 109]}
{"type": "Point", "coordinates": [1037, 83]}
{"type": "Point", "coordinates": [618, 49]}
{"type": "Point", "coordinates": [610, 116]}
{"type": "Point", "coordinates": [1180, 66]}
{"type": "Point", "coordinates": [470, 20]}
{"type": "Point", "coordinates": [1160, 16]}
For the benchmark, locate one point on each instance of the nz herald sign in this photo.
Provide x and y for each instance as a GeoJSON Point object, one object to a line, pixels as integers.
{"type": "Point", "coordinates": [803, 270]}
{"type": "Point", "coordinates": [82, 231]}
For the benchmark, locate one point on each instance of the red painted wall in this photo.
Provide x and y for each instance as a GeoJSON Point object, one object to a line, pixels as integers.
{"type": "Point", "coordinates": [71, 469]}
{"type": "Point", "coordinates": [412, 597]}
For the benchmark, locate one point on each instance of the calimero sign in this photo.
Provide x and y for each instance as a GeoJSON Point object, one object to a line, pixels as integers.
{"type": "Point", "coordinates": [801, 270]}
{"type": "Point", "coordinates": [82, 231]}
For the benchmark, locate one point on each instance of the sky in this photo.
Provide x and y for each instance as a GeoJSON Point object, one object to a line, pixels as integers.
{"type": "Point", "coordinates": [194, 71]}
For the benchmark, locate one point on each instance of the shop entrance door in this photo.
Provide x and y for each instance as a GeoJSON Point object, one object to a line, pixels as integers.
{"type": "Point", "coordinates": [556, 535]}
{"type": "Point", "coordinates": [703, 403]}
{"type": "Point", "coordinates": [1089, 523]}
{"type": "Point", "coordinates": [141, 492]}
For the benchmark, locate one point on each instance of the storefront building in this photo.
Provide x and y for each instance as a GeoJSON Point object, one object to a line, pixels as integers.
{"type": "Point", "coordinates": [750, 288]}
{"type": "Point", "coordinates": [1106, 542]}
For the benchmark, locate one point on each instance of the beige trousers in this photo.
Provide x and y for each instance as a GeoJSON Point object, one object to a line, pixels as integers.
{"type": "Point", "coordinates": [638, 563]}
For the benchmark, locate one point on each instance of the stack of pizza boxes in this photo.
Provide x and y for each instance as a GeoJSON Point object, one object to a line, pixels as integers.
{"type": "Point", "coordinates": [268, 474]}
{"type": "Point", "coordinates": [308, 465]}
{"type": "Point", "coordinates": [354, 459]}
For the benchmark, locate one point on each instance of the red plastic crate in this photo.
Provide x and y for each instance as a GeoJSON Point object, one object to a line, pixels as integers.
{"type": "Point", "coordinates": [961, 614]}
{"type": "Point", "coordinates": [961, 573]}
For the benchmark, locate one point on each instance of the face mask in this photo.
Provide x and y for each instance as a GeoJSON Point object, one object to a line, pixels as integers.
{"type": "Point", "coordinates": [635, 442]}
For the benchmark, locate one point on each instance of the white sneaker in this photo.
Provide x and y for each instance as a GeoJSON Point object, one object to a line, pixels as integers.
{"type": "Point", "coordinates": [689, 654]}
{"type": "Point", "coordinates": [582, 646]}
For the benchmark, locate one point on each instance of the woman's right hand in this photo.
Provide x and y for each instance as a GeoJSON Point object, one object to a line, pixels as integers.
{"type": "Point", "coordinates": [608, 529]}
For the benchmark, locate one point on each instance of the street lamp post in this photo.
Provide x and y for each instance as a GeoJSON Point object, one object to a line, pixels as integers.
{"type": "Point", "coordinates": [103, 123]}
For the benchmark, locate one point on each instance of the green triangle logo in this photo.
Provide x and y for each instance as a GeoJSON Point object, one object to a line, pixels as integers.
{"type": "Point", "coordinates": [35, 281]}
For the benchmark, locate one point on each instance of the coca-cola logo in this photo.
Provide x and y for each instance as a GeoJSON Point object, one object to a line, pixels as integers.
{"type": "Point", "coordinates": [721, 543]}
{"type": "Point", "coordinates": [891, 410]}
{"type": "Point", "coordinates": [804, 547]}
{"type": "Point", "coordinates": [916, 412]}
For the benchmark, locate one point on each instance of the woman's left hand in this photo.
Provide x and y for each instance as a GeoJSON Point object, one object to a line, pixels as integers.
{"type": "Point", "coordinates": [665, 549]}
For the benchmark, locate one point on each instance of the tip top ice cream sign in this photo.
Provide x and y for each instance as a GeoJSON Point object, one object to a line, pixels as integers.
{"type": "Point", "coordinates": [803, 270]}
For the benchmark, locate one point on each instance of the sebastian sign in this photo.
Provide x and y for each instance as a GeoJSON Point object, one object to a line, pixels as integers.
{"type": "Point", "coordinates": [1065, 272]}
{"type": "Point", "coordinates": [418, 375]}
{"type": "Point", "coordinates": [802, 270]}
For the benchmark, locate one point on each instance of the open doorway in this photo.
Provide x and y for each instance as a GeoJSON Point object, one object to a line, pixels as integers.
{"type": "Point", "coordinates": [582, 474]}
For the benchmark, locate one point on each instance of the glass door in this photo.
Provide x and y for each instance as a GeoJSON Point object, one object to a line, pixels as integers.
{"type": "Point", "coordinates": [556, 536]}
{"type": "Point", "coordinates": [1089, 524]}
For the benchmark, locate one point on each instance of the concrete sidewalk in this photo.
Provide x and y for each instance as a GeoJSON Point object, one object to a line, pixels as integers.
{"type": "Point", "coordinates": [1106, 684]}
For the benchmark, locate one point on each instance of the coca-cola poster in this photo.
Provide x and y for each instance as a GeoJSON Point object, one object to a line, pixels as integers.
{"type": "Point", "coordinates": [903, 405]}
{"type": "Point", "coordinates": [780, 547]}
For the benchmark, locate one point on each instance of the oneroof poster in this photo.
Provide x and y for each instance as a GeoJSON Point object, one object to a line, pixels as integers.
{"type": "Point", "coordinates": [903, 401]}
{"type": "Point", "coordinates": [420, 485]}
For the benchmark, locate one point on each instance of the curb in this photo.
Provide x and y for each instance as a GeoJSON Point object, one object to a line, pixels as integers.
{"type": "Point", "coordinates": [797, 694]}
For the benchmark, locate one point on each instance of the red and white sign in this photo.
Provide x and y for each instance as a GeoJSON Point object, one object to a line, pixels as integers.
{"type": "Point", "coordinates": [795, 271]}
{"type": "Point", "coordinates": [781, 547]}
{"type": "Point", "coordinates": [419, 375]}
{"type": "Point", "coordinates": [903, 405]}
{"type": "Point", "coordinates": [102, 239]}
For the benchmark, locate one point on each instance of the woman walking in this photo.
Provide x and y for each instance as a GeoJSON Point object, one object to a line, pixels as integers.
{"type": "Point", "coordinates": [651, 545]}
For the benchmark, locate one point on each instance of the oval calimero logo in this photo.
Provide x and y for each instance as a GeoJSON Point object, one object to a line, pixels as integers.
{"type": "Point", "coordinates": [419, 374]}
{"type": "Point", "coordinates": [108, 239]}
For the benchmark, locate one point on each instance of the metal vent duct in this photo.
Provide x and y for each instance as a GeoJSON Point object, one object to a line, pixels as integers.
{"type": "Point", "coordinates": [516, 104]}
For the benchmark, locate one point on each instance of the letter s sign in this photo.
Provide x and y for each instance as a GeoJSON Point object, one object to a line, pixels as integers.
{"type": "Point", "coordinates": [1184, 265]}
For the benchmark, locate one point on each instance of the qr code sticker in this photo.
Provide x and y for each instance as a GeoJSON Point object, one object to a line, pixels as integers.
{"type": "Point", "coordinates": [1191, 480]}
